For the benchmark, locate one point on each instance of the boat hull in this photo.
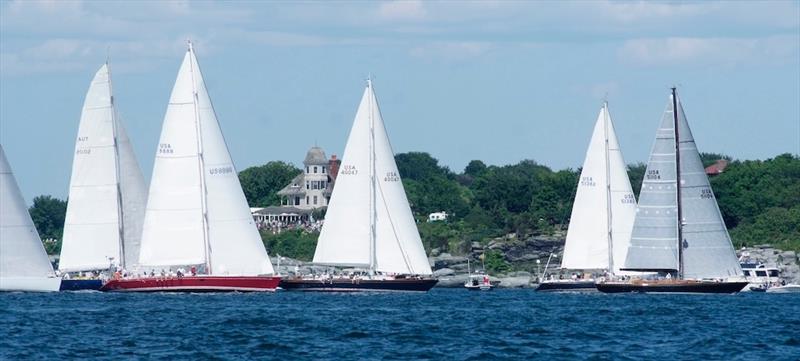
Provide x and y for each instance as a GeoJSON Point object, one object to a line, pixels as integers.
{"type": "Point", "coordinates": [567, 286]}
{"type": "Point", "coordinates": [194, 284]}
{"type": "Point", "coordinates": [29, 284]}
{"type": "Point", "coordinates": [784, 289]}
{"type": "Point", "coordinates": [671, 287]}
{"type": "Point", "coordinates": [81, 285]}
{"type": "Point", "coordinates": [358, 285]}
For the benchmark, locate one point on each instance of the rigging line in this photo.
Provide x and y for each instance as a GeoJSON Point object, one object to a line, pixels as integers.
{"type": "Point", "coordinates": [394, 231]}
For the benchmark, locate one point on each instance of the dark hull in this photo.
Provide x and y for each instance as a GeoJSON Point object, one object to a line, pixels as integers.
{"type": "Point", "coordinates": [81, 285]}
{"type": "Point", "coordinates": [675, 287]}
{"type": "Point", "coordinates": [358, 285]}
{"type": "Point", "coordinates": [194, 284]}
{"type": "Point", "coordinates": [567, 286]}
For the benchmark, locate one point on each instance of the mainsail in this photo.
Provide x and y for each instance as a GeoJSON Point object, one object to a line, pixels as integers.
{"type": "Point", "coordinates": [604, 207]}
{"type": "Point", "coordinates": [707, 249]}
{"type": "Point", "coordinates": [21, 251]}
{"type": "Point", "coordinates": [196, 210]}
{"type": "Point", "coordinates": [107, 192]}
{"type": "Point", "coordinates": [369, 221]}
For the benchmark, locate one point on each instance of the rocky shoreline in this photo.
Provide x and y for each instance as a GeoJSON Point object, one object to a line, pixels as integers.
{"type": "Point", "coordinates": [521, 256]}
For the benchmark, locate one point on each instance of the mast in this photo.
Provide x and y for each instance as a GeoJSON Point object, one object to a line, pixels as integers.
{"type": "Point", "coordinates": [608, 191]}
{"type": "Point", "coordinates": [200, 164]}
{"type": "Point", "coordinates": [115, 136]}
{"type": "Point", "coordinates": [372, 184]}
{"type": "Point", "coordinates": [678, 181]}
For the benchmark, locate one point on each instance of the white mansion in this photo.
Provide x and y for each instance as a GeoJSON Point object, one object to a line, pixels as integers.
{"type": "Point", "coordinates": [308, 191]}
{"type": "Point", "coordinates": [312, 188]}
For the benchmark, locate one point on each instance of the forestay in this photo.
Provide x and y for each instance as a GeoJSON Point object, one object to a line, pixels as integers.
{"type": "Point", "coordinates": [604, 207]}
{"type": "Point", "coordinates": [345, 237]}
{"type": "Point", "coordinates": [107, 191]}
{"type": "Point", "coordinates": [21, 251]}
{"type": "Point", "coordinates": [196, 211]}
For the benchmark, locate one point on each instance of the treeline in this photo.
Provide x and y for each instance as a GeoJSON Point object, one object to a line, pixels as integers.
{"type": "Point", "coordinates": [759, 200]}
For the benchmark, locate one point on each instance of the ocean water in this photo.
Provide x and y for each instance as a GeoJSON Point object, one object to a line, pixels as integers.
{"type": "Point", "coordinates": [445, 324]}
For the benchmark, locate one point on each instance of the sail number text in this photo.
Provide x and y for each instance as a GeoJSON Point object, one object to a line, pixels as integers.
{"type": "Point", "coordinates": [588, 181]}
{"type": "Point", "coordinates": [653, 174]}
{"type": "Point", "coordinates": [83, 139]}
{"type": "Point", "coordinates": [391, 177]}
{"type": "Point", "coordinates": [221, 170]}
{"type": "Point", "coordinates": [348, 169]}
{"type": "Point", "coordinates": [706, 193]}
{"type": "Point", "coordinates": [628, 199]}
{"type": "Point", "coordinates": [165, 148]}
{"type": "Point", "coordinates": [83, 151]}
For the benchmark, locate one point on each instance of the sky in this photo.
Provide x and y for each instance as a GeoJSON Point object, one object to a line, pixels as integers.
{"type": "Point", "coordinates": [499, 81]}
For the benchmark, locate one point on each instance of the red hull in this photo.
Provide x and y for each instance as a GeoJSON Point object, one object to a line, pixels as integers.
{"type": "Point", "coordinates": [194, 284]}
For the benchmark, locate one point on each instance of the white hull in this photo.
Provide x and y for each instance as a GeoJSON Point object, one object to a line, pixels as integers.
{"type": "Point", "coordinates": [30, 284]}
{"type": "Point", "coordinates": [784, 289]}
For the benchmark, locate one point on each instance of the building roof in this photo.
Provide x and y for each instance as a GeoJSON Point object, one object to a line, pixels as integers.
{"type": "Point", "coordinates": [296, 186]}
{"type": "Point", "coordinates": [278, 210]}
{"type": "Point", "coordinates": [717, 167]}
{"type": "Point", "coordinates": [316, 156]}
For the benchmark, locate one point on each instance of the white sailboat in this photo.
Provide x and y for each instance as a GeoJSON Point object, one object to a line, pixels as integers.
{"type": "Point", "coordinates": [602, 213]}
{"type": "Point", "coordinates": [197, 215]}
{"type": "Point", "coordinates": [369, 224]}
{"type": "Point", "coordinates": [24, 265]}
{"type": "Point", "coordinates": [107, 193]}
{"type": "Point", "coordinates": [678, 230]}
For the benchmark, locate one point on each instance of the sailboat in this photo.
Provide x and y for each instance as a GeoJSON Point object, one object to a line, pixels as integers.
{"type": "Point", "coordinates": [198, 234]}
{"type": "Point", "coordinates": [678, 230]}
{"type": "Point", "coordinates": [369, 225]}
{"type": "Point", "coordinates": [24, 265]}
{"type": "Point", "coordinates": [107, 194]}
{"type": "Point", "coordinates": [602, 213]}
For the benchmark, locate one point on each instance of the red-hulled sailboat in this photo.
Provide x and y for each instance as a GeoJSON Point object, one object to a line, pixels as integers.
{"type": "Point", "coordinates": [197, 216]}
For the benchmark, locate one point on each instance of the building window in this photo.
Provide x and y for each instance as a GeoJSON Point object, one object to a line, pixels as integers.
{"type": "Point", "coordinates": [315, 169]}
{"type": "Point", "coordinates": [307, 169]}
{"type": "Point", "coordinates": [323, 170]}
{"type": "Point", "coordinates": [315, 200]}
{"type": "Point", "coordinates": [297, 201]}
{"type": "Point", "coordinates": [306, 199]}
{"type": "Point", "coordinates": [307, 185]}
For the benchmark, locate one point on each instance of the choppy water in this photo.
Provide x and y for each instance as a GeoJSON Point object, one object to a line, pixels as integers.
{"type": "Point", "coordinates": [449, 324]}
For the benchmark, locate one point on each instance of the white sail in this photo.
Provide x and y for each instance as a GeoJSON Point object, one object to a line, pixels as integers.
{"type": "Point", "coordinates": [345, 238]}
{"type": "Point", "coordinates": [707, 248]}
{"type": "Point", "coordinates": [604, 207]}
{"type": "Point", "coordinates": [196, 210]}
{"type": "Point", "coordinates": [23, 262]}
{"type": "Point", "coordinates": [133, 196]}
{"type": "Point", "coordinates": [104, 169]}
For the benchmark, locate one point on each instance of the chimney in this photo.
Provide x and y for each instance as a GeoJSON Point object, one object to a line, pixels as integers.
{"type": "Point", "coordinates": [333, 167]}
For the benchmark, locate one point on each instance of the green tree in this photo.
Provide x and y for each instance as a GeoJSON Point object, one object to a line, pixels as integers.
{"type": "Point", "coordinates": [431, 187]}
{"type": "Point", "coordinates": [48, 214]}
{"type": "Point", "coordinates": [262, 183]}
{"type": "Point", "coordinates": [296, 243]}
{"type": "Point", "coordinates": [636, 176]}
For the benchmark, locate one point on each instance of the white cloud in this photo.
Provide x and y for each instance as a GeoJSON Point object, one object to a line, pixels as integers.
{"type": "Point", "coordinates": [57, 55]}
{"type": "Point", "coordinates": [451, 50]}
{"type": "Point", "coordinates": [710, 51]}
{"type": "Point", "coordinates": [402, 10]}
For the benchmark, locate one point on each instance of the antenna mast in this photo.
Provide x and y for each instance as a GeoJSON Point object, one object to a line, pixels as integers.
{"type": "Point", "coordinates": [678, 180]}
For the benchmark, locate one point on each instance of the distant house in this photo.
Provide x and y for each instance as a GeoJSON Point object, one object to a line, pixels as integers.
{"type": "Point", "coordinates": [312, 188]}
{"type": "Point", "coordinates": [437, 216]}
{"type": "Point", "coordinates": [717, 168]}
